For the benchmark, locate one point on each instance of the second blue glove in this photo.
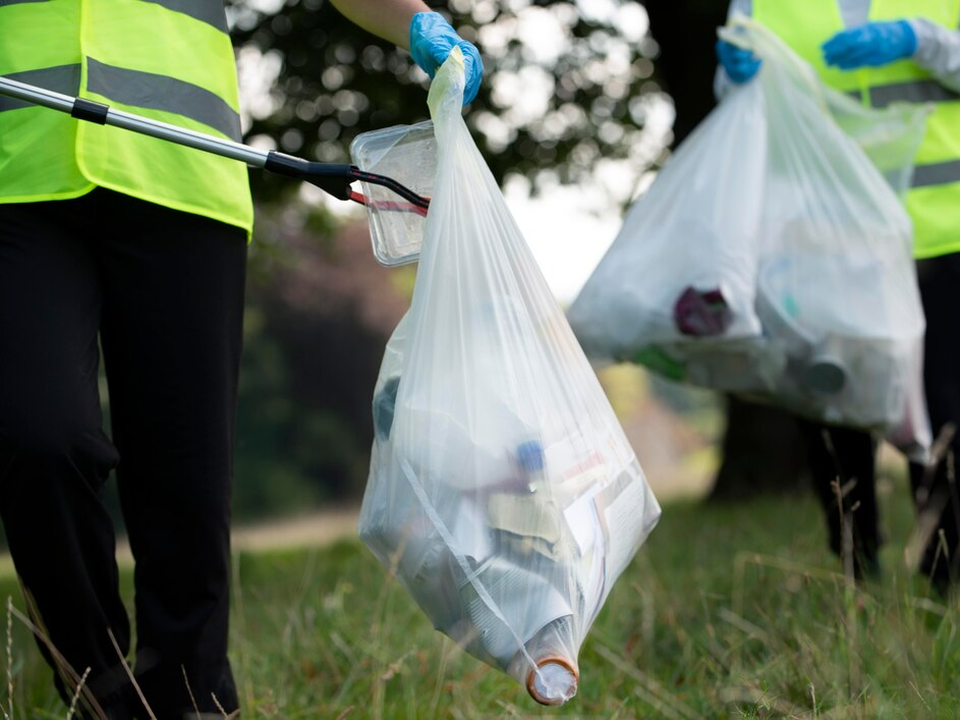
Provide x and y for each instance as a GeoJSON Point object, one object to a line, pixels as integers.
{"type": "Point", "coordinates": [431, 40]}
{"type": "Point", "coordinates": [873, 44]}
{"type": "Point", "coordinates": [740, 64]}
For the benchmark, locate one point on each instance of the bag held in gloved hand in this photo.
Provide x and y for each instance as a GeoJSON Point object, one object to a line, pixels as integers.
{"type": "Point", "coordinates": [771, 258]}
{"type": "Point", "coordinates": [502, 490]}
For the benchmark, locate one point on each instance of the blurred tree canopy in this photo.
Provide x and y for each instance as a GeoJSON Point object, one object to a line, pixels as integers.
{"type": "Point", "coordinates": [567, 85]}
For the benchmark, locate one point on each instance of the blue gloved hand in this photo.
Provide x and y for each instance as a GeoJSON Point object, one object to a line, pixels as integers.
{"type": "Point", "coordinates": [876, 43]}
{"type": "Point", "coordinates": [739, 63]}
{"type": "Point", "coordinates": [431, 40]}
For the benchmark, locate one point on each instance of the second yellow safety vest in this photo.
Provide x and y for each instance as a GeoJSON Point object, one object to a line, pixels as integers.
{"type": "Point", "coordinates": [933, 201]}
{"type": "Point", "coordinates": [934, 198]}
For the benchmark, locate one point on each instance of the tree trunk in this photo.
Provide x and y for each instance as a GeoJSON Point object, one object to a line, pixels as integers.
{"type": "Point", "coordinates": [763, 452]}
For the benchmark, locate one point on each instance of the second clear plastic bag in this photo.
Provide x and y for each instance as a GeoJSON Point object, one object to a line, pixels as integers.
{"type": "Point", "coordinates": [502, 491]}
{"type": "Point", "coordinates": [810, 299]}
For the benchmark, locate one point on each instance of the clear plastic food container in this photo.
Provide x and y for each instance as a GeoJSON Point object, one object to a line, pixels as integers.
{"type": "Point", "coordinates": [408, 154]}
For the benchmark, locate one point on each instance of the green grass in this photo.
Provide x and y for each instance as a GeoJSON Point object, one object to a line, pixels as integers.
{"type": "Point", "coordinates": [727, 612]}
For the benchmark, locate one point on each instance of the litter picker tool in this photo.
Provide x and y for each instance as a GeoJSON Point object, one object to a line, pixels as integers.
{"type": "Point", "coordinates": [333, 178]}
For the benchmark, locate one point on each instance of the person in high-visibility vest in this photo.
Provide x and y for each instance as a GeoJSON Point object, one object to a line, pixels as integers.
{"type": "Point", "coordinates": [141, 244]}
{"type": "Point", "coordinates": [885, 51]}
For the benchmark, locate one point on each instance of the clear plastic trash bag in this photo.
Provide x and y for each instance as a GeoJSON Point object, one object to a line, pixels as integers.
{"type": "Point", "coordinates": [502, 493]}
{"type": "Point", "coordinates": [828, 256]}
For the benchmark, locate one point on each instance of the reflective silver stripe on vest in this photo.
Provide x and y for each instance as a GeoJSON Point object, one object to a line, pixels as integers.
{"type": "Point", "coordinates": [913, 91]}
{"type": "Point", "coordinates": [936, 174]}
{"type": "Point", "coordinates": [160, 92]}
{"type": "Point", "coordinates": [211, 12]}
{"type": "Point", "coordinates": [61, 78]}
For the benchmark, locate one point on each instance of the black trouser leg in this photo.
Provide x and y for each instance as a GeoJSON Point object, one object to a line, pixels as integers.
{"type": "Point", "coordinates": [166, 291]}
{"type": "Point", "coordinates": [935, 492]}
{"type": "Point", "coordinates": [843, 469]}
{"type": "Point", "coordinates": [173, 308]}
{"type": "Point", "coordinates": [54, 457]}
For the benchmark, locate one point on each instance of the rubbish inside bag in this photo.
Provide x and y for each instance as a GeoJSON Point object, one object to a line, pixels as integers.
{"type": "Point", "coordinates": [502, 494]}
{"type": "Point", "coordinates": [513, 572]}
{"type": "Point", "coordinates": [702, 312]}
{"type": "Point", "coordinates": [508, 545]}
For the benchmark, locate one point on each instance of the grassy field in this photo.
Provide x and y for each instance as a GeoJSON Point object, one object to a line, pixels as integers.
{"type": "Point", "coordinates": [727, 612]}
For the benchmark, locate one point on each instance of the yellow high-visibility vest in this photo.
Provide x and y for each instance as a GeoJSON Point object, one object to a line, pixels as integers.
{"type": "Point", "coordinates": [933, 201]}
{"type": "Point", "coordinates": [170, 60]}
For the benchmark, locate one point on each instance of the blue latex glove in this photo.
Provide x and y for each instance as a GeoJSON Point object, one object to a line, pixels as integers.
{"type": "Point", "coordinates": [740, 64]}
{"type": "Point", "coordinates": [874, 44]}
{"type": "Point", "coordinates": [431, 40]}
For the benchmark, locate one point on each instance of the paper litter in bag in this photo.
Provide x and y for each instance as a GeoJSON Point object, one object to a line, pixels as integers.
{"type": "Point", "coordinates": [771, 258]}
{"type": "Point", "coordinates": [502, 490]}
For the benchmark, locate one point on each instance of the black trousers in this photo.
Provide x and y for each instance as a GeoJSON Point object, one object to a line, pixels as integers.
{"type": "Point", "coordinates": [850, 454]}
{"type": "Point", "coordinates": [163, 291]}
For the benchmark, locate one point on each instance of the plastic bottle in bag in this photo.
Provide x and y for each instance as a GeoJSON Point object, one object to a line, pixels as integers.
{"type": "Point", "coordinates": [503, 493]}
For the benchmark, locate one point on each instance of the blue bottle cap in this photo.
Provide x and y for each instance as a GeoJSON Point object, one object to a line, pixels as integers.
{"type": "Point", "coordinates": [530, 456]}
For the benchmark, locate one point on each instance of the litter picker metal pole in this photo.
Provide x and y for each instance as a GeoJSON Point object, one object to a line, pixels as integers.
{"type": "Point", "coordinates": [332, 178]}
